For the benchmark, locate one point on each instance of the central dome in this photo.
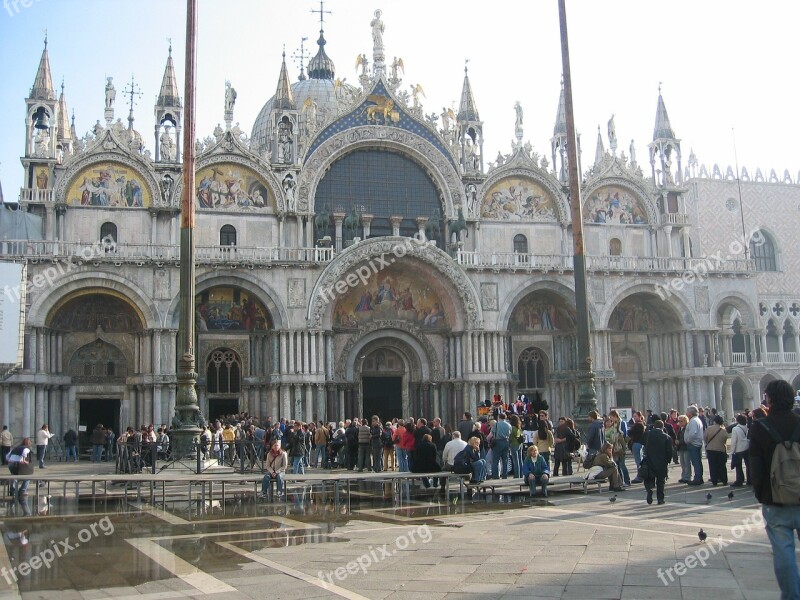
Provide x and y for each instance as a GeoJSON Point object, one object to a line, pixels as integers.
{"type": "Point", "coordinates": [319, 87]}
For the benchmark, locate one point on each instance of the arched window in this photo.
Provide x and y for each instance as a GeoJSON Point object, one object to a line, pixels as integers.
{"type": "Point", "coordinates": [530, 370]}
{"type": "Point", "coordinates": [227, 235]}
{"type": "Point", "coordinates": [223, 373]}
{"type": "Point", "coordinates": [762, 250]}
{"type": "Point", "coordinates": [615, 247]}
{"type": "Point", "coordinates": [520, 244]}
{"type": "Point", "coordinates": [108, 231]}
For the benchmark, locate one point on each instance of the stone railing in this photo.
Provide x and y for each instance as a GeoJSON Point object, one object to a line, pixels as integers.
{"type": "Point", "coordinates": [35, 195]}
{"type": "Point", "coordinates": [674, 219]}
{"type": "Point", "coordinates": [636, 264]}
{"type": "Point", "coordinates": [99, 252]}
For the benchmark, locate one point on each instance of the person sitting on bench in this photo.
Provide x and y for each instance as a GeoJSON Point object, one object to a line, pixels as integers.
{"type": "Point", "coordinates": [275, 467]}
{"type": "Point", "coordinates": [469, 461]}
{"type": "Point", "coordinates": [536, 470]}
{"type": "Point", "coordinates": [610, 471]}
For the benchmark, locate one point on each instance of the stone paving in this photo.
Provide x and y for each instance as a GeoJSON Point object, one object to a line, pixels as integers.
{"type": "Point", "coordinates": [571, 546]}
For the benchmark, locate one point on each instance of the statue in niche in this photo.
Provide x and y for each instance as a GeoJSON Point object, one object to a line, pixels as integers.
{"type": "Point", "coordinates": [166, 187]}
{"type": "Point", "coordinates": [168, 149]}
{"type": "Point", "coordinates": [289, 184]}
{"type": "Point", "coordinates": [285, 142]}
{"type": "Point", "coordinates": [472, 199]}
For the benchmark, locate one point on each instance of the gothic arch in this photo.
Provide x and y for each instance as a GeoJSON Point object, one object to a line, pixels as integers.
{"type": "Point", "coordinates": [722, 309]}
{"type": "Point", "coordinates": [430, 158]}
{"type": "Point", "coordinates": [345, 263]}
{"type": "Point", "coordinates": [109, 283]}
{"type": "Point", "coordinates": [244, 280]}
{"type": "Point", "coordinates": [414, 339]}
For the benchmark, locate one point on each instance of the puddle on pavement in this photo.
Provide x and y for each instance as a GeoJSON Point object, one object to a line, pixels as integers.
{"type": "Point", "coordinates": [56, 542]}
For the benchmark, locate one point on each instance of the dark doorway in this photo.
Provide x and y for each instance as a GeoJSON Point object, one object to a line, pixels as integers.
{"type": "Point", "coordinates": [383, 396]}
{"type": "Point", "coordinates": [92, 411]}
{"type": "Point", "coordinates": [219, 407]}
{"type": "Point", "coordinates": [624, 398]}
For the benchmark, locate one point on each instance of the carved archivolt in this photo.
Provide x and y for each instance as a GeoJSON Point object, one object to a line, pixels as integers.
{"type": "Point", "coordinates": [430, 357]}
{"type": "Point", "coordinates": [357, 254]}
{"type": "Point", "coordinates": [117, 155]}
{"type": "Point", "coordinates": [616, 173]}
{"type": "Point", "coordinates": [438, 166]}
{"type": "Point", "coordinates": [541, 177]}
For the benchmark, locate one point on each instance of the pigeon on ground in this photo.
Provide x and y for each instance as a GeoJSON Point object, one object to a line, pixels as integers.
{"type": "Point", "coordinates": [730, 496]}
{"type": "Point", "coordinates": [613, 499]}
{"type": "Point", "coordinates": [708, 498]}
{"type": "Point", "coordinates": [702, 535]}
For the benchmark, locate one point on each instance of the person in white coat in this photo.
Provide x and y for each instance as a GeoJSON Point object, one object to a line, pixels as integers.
{"type": "Point", "coordinates": [740, 450]}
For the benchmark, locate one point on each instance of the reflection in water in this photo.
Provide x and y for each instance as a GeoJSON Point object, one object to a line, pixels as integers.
{"type": "Point", "coordinates": [195, 526]}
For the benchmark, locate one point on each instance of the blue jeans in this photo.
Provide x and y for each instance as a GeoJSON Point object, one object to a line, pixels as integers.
{"type": "Point", "coordinates": [97, 452]}
{"type": "Point", "coordinates": [623, 469]}
{"type": "Point", "coordinates": [781, 523]}
{"type": "Point", "coordinates": [516, 462]}
{"type": "Point", "coordinates": [542, 480]}
{"type": "Point", "coordinates": [636, 448]}
{"type": "Point", "coordinates": [479, 470]}
{"type": "Point", "coordinates": [72, 451]}
{"type": "Point", "coordinates": [500, 457]}
{"type": "Point", "coordinates": [402, 459]}
{"type": "Point", "coordinates": [40, 452]}
{"type": "Point", "coordinates": [319, 456]}
{"type": "Point", "coordinates": [695, 457]}
{"type": "Point", "coordinates": [297, 464]}
{"type": "Point", "coordinates": [265, 485]}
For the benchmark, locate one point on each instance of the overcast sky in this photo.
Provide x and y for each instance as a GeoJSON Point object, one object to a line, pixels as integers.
{"type": "Point", "coordinates": [722, 64]}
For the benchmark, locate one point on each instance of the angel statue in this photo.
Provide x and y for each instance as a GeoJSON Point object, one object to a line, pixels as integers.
{"type": "Point", "coordinates": [397, 63]}
{"type": "Point", "coordinates": [416, 90]}
{"type": "Point", "coordinates": [310, 108]}
{"type": "Point", "coordinates": [447, 116]}
{"type": "Point", "coordinates": [363, 62]}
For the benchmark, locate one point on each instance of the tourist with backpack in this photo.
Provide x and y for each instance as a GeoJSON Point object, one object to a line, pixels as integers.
{"type": "Point", "coordinates": [387, 442]}
{"type": "Point", "coordinates": [775, 469]}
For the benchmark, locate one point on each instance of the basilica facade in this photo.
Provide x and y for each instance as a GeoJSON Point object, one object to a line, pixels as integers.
{"type": "Point", "coordinates": [355, 256]}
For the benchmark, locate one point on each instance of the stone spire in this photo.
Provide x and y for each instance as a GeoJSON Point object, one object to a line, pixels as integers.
{"type": "Point", "coordinates": [663, 129]}
{"type": "Point", "coordinates": [600, 151]}
{"type": "Point", "coordinates": [169, 94]}
{"type": "Point", "coordinates": [283, 95]}
{"type": "Point", "coordinates": [467, 111]}
{"type": "Point", "coordinates": [43, 84]}
{"type": "Point", "coordinates": [665, 149]}
{"type": "Point", "coordinates": [64, 131]}
{"type": "Point", "coordinates": [169, 113]}
{"type": "Point", "coordinates": [558, 143]}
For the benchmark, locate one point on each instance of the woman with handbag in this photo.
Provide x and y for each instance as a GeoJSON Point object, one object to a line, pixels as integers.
{"type": "Point", "coordinates": [616, 438]}
{"type": "Point", "coordinates": [515, 444]}
{"type": "Point", "coordinates": [740, 451]}
{"type": "Point", "coordinates": [715, 437]}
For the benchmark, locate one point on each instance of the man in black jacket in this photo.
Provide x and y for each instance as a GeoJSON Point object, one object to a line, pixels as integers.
{"type": "Point", "coordinates": [657, 456]}
{"type": "Point", "coordinates": [781, 521]}
{"type": "Point", "coordinates": [466, 426]}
